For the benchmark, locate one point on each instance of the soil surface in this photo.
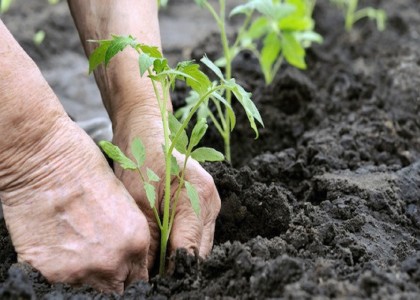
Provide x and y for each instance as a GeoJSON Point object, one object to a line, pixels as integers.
{"type": "Point", "coordinates": [326, 203]}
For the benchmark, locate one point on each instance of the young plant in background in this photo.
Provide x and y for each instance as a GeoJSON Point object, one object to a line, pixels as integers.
{"type": "Point", "coordinates": [5, 5]}
{"type": "Point", "coordinates": [352, 14]}
{"type": "Point", "coordinates": [163, 3]}
{"type": "Point", "coordinates": [285, 29]}
{"type": "Point", "coordinates": [175, 137]}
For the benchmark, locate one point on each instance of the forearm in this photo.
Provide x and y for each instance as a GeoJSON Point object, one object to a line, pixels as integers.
{"type": "Point", "coordinates": [122, 88]}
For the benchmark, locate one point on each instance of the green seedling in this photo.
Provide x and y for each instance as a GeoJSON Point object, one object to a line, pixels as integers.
{"type": "Point", "coordinates": [163, 3]}
{"type": "Point", "coordinates": [5, 5]}
{"type": "Point", "coordinates": [353, 14]}
{"type": "Point", "coordinates": [285, 29]}
{"type": "Point", "coordinates": [163, 77]}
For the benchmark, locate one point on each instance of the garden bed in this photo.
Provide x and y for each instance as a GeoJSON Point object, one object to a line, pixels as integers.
{"type": "Point", "coordinates": [327, 201]}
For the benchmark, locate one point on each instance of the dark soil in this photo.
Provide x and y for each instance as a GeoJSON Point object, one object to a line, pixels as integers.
{"type": "Point", "coordinates": [326, 203]}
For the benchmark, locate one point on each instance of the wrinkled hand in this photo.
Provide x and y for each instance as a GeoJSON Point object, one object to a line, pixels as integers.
{"type": "Point", "coordinates": [189, 231]}
{"type": "Point", "coordinates": [68, 215]}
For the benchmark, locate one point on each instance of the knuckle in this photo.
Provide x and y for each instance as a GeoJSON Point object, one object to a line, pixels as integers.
{"type": "Point", "coordinates": [137, 239]}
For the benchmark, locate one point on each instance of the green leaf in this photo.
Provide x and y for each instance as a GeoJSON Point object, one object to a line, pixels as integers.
{"type": "Point", "coordinates": [269, 54]}
{"type": "Point", "coordinates": [308, 37]}
{"type": "Point", "coordinates": [39, 37]}
{"type": "Point", "coordinates": [200, 2]}
{"type": "Point", "coordinates": [150, 194]}
{"type": "Point", "coordinates": [139, 151]}
{"type": "Point", "coordinates": [152, 175]}
{"type": "Point", "coordinates": [145, 62]}
{"type": "Point", "coordinates": [117, 155]}
{"type": "Point", "coordinates": [258, 28]}
{"type": "Point", "coordinates": [118, 43]}
{"type": "Point", "coordinates": [182, 141]}
{"type": "Point", "coordinates": [245, 9]}
{"type": "Point", "coordinates": [244, 98]}
{"type": "Point", "coordinates": [152, 51]}
{"type": "Point", "coordinates": [198, 132]}
{"type": "Point", "coordinates": [160, 64]}
{"type": "Point", "coordinates": [293, 52]}
{"type": "Point", "coordinates": [194, 198]}
{"type": "Point", "coordinates": [174, 166]}
{"type": "Point", "coordinates": [205, 60]}
{"type": "Point", "coordinates": [296, 23]}
{"type": "Point", "coordinates": [196, 79]}
{"type": "Point", "coordinates": [182, 64]}
{"type": "Point", "coordinates": [204, 154]}
{"type": "Point", "coordinates": [98, 55]}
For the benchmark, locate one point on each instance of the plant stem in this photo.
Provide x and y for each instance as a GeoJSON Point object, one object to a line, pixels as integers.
{"type": "Point", "coordinates": [192, 111]}
{"type": "Point", "coordinates": [178, 191]}
{"type": "Point", "coordinates": [167, 195]}
{"type": "Point", "coordinates": [351, 8]}
{"type": "Point", "coordinates": [221, 22]}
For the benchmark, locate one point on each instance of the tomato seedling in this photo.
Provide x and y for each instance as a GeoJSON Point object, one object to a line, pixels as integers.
{"type": "Point", "coordinates": [163, 77]}
{"type": "Point", "coordinates": [353, 14]}
{"type": "Point", "coordinates": [285, 28]}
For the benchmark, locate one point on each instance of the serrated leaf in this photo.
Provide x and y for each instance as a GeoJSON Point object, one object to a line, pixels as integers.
{"type": "Point", "coordinates": [293, 51]}
{"type": "Point", "coordinates": [117, 155]}
{"type": "Point", "coordinates": [197, 80]}
{"type": "Point", "coordinates": [194, 198]}
{"type": "Point", "coordinates": [160, 64]}
{"type": "Point", "coordinates": [206, 61]}
{"type": "Point", "coordinates": [174, 166]}
{"type": "Point", "coordinates": [139, 151]}
{"type": "Point", "coordinates": [98, 55]}
{"type": "Point", "coordinates": [198, 132]}
{"type": "Point", "coordinates": [118, 43]}
{"type": "Point", "coordinates": [182, 141]}
{"type": "Point", "coordinates": [204, 154]}
{"type": "Point", "coordinates": [244, 98]}
{"type": "Point", "coordinates": [150, 194]}
{"type": "Point", "coordinates": [152, 176]}
{"type": "Point", "coordinates": [269, 54]}
{"type": "Point", "coordinates": [182, 64]}
{"type": "Point", "coordinates": [152, 51]}
{"type": "Point", "coordinates": [258, 28]}
{"type": "Point", "coordinates": [145, 62]}
{"type": "Point", "coordinates": [246, 9]}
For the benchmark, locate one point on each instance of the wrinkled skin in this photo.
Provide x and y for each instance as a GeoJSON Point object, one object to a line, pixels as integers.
{"type": "Point", "coordinates": [67, 213]}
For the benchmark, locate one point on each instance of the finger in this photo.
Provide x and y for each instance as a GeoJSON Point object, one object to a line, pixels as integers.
{"type": "Point", "coordinates": [131, 183]}
{"type": "Point", "coordinates": [210, 210]}
{"type": "Point", "coordinates": [187, 227]}
{"type": "Point", "coordinates": [207, 239]}
{"type": "Point", "coordinates": [138, 271]}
